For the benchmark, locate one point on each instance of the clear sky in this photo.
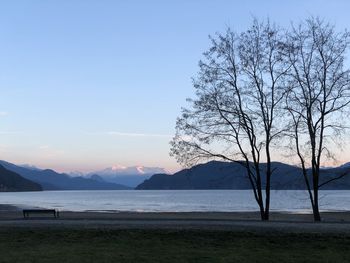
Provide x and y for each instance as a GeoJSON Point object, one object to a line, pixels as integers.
{"type": "Point", "coordinates": [90, 84]}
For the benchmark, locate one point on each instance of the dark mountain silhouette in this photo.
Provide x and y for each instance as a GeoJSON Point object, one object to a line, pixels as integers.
{"type": "Point", "coordinates": [51, 180]}
{"type": "Point", "coordinates": [225, 175]}
{"type": "Point", "coordinates": [11, 181]}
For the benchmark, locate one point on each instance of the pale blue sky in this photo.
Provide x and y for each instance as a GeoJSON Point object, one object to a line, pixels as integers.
{"type": "Point", "coordinates": [89, 84]}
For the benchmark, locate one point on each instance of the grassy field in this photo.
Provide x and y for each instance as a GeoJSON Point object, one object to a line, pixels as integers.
{"type": "Point", "coordinates": [40, 245]}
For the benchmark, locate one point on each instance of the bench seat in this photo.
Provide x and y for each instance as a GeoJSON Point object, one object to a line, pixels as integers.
{"type": "Point", "coordinates": [27, 212]}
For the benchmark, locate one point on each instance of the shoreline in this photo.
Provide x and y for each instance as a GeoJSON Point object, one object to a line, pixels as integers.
{"type": "Point", "coordinates": [8, 211]}
{"type": "Point", "coordinates": [9, 207]}
{"type": "Point", "coordinates": [332, 222]}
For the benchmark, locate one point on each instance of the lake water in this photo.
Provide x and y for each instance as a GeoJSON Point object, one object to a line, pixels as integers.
{"type": "Point", "coordinates": [174, 200]}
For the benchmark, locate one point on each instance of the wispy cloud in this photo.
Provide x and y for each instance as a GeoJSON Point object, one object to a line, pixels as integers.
{"type": "Point", "coordinates": [48, 152]}
{"type": "Point", "coordinates": [3, 113]}
{"type": "Point", "coordinates": [44, 147]}
{"type": "Point", "coordinates": [130, 134]}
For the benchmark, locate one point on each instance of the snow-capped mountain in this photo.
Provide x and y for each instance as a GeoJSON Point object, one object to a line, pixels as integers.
{"type": "Point", "coordinates": [30, 167]}
{"type": "Point", "coordinates": [119, 170]}
{"type": "Point", "coordinates": [76, 174]}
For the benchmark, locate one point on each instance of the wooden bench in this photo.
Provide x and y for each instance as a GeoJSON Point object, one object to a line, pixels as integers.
{"type": "Point", "coordinates": [27, 212]}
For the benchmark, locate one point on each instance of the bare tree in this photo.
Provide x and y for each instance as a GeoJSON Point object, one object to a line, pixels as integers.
{"type": "Point", "coordinates": [239, 91]}
{"type": "Point", "coordinates": [318, 96]}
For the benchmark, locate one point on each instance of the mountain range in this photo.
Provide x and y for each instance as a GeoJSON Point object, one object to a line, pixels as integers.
{"type": "Point", "coordinates": [51, 180]}
{"type": "Point", "coordinates": [13, 182]}
{"type": "Point", "coordinates": [225, 175]}
{"type": "Point", "coordinates": [211, 175]}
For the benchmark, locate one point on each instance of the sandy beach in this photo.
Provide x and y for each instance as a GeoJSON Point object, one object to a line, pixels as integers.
{"type": "Point", "coordinates": [333, 222]}
{"type": "Point", "coordinates": [173, 237]}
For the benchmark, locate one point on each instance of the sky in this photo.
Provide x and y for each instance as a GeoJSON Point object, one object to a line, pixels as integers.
{"type": "Point", "coordinates": [87, 84]}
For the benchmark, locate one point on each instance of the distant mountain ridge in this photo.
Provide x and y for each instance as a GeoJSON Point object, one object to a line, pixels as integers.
{"type": "Point", "coordinates": [118, 170]}
{"type": "Point", "coordinates": [51, 180]}
{"type": "Point", "coordinates": [345, 165]}
{"type": "Point", "coordinates": [225, 175]}
{"type": "Point", "coordinates": [129, 176]}
{"type": "Point", "coordinates": [11, 181]}
{"type": "Point", "coordinates": [211, 175]}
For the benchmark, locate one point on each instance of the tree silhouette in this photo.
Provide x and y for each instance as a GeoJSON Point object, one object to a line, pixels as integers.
{"type": "Point", "coordinates": [318, 96]}
{"type": "Point", "coordinates": [239, 95]}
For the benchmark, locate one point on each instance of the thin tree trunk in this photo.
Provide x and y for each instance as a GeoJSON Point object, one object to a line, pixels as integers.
{"type": "Point", "coordinates": [267, 202]}
{"type": "Point", "coordinates": [268, 184]}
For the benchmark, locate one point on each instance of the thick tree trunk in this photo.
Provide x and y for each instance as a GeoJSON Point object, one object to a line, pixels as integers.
{"type": "Point", "coordinates": [317, 215]}
{"type": "Point", "coordinates": [266, 216]}
{"type": "Point", "coordinates": [262, 211]}
{"type": "Point", "coordinates": [315, 208]}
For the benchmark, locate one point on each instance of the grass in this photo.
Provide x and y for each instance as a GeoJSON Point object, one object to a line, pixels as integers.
{"type": "Point", "coordinates": [40, 245]}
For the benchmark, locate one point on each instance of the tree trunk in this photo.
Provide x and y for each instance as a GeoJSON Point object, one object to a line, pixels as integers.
{"type": "Point", "coordinates": [267, 189]}
{"type": "Point", "coordinates": [262, 213]}
{"type": "Point", "coordinates": [317, 215]}
{"type": "Point", "coordinates": [315, 208]}
{"type": "Point", "coordinates": [266, 215]}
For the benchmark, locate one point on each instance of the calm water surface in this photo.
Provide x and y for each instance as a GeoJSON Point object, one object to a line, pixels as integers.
{"type": "Point", "coordinates": [174, 200]}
